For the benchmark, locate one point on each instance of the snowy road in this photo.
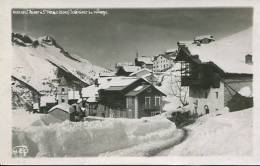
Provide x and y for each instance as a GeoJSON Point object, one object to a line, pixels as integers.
{"type": "Point", "coordinates": [151, 148]}
{"type": "Point", "coordinates": [166, 152]}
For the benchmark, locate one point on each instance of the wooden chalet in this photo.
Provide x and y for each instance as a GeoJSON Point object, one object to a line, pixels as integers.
{"type": "Point", "coordinates": [125, 97]}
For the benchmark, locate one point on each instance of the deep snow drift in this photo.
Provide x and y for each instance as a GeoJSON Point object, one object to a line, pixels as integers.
{"type": "Point", "coordinates": [226, 134]}
{"type": "Point", "coordinates": [45, 137]}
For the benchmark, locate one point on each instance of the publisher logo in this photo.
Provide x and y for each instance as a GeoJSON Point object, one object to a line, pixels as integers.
{"type": "Point", "coordinates": [20, 151]}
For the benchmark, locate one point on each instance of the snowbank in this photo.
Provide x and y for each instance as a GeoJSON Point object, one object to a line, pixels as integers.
{"type": "Point", "coordinates": [150, 148]}
{"type": "Point", "coordinates": [226, 134]}
{"type": "Point", "coordinates": [23, 119]}
{"type": "Point", "coordinates": [91, 138]}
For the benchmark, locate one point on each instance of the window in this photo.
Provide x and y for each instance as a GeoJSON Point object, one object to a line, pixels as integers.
{"type": "Point", "coordinates": [155, 113]}
{"type": "Point", "coordinates": [217, 95]}
{"type": "Point", "coordinates": [62, 90]}
{"type": "Point", "coordinates": [185, 69]}
{"type": "Point", "coordinates": [129, 102]}
{"type": "Point", "coordinates": [62, 100]}
{"type": "Point", "coordinates": [157, 100]}
{"type": "Point", "coordinates": [147, 102]}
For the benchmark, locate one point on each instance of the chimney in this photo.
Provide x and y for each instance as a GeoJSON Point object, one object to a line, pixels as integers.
{"type": "Point", "coordinates": [248, 59]}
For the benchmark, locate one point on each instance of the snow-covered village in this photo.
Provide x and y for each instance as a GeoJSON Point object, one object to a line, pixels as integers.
{"type": "Point", "coordinates": [189, 95]}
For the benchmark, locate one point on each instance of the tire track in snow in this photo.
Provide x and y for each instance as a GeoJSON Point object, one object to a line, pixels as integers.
{"type": "Point", "coordinates": [152, 148]}
{"type": "Point", "coordinates": [165, 152]}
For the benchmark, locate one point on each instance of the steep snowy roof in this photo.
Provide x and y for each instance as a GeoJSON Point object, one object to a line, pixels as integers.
{"type": "Point", "coordinates": [145, 59]}
{"type": "Point", "coordinates": [131, 69]}
{"type": "Point", "coordinates": [227, 53]}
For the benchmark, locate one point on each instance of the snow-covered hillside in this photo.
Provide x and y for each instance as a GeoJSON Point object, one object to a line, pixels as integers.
{"type": "Point", "coordinates": [36, 61]}
{"type": "Point", "coordinates": [226, 134]}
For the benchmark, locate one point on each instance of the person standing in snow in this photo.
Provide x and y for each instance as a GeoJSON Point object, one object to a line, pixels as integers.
{"type": "Point", "coordinates": [206, 107]}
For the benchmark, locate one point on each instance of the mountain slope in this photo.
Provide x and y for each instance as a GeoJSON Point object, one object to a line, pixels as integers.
{"type": "Point", "coordinates": [36, 62]}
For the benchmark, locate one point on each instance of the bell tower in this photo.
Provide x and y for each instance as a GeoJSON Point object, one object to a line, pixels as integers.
{"type": "Point", "coordinates": [62, 94]}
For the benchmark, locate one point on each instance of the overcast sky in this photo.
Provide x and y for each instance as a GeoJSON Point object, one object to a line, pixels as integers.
{"type": "Point", "coordinates": [117, 36]}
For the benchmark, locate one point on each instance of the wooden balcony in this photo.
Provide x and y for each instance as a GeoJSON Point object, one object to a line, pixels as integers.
{"type": "Point", "coordinates": [188, 81]}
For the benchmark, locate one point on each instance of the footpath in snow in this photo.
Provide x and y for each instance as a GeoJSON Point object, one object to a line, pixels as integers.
{"type": "Point", "coordinates": [226, 134]}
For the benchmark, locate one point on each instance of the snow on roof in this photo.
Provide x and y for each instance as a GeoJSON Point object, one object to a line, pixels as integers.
{"type": "Point", "coordinates": [72, 94]}
{"type": "Point", "coordinates": [204, 37]}
{"type": "Point", "coordinates": [184, 42]}
{"type": "Point", "coordinates": [63, 106]}
{"type": "Point", "coordinates": [110, 83]}
{"type": "Point", "coordinates": [137, 90]}
{"type": "Point", "coordinates": [171, 50]}
{"type": "Point", "coordinates": [92, 99]}
{"type": "Point", "coordinates": [141, 70]}
{"type": "Point", "coordinates": [227, 53]}
{"type": "Point", "coordinates": [169, 56]}
{"type": "Point", "coordinates": [47, 99]}
{"type": "Point", "coordinates": [107, 74]}
{"type": "Point", "coordinates": [124, 64]}
{"type": "Point", "coordinates": [141, 88]}
{"type": "Point", "coordinates": [117, 81]}
{"type": "Point", "coordinates": [131, 69]}
{"type": "Point", "coordinates": [145, 59]}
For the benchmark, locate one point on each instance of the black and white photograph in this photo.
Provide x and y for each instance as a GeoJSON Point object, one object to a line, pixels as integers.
{"type": "Point", "coordinates": [131, 82]}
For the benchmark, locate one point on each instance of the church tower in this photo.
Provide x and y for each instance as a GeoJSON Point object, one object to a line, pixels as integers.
{"type": "Point", "coordinates": [62, 94]}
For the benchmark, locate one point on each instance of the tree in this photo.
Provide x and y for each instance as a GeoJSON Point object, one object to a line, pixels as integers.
{"type": "Point", "coordinates": [175, 85]}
